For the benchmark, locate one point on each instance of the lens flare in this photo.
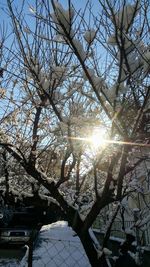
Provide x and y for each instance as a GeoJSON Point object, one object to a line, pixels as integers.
{"type": "Point", "coordinates": [98, 138]}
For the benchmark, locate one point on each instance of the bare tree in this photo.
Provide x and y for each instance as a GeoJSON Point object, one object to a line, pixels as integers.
{"type": "Point", "coordinates": [70, 75]}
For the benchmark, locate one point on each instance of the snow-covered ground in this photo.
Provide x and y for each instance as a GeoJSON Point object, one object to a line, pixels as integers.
{"type": "Point", "coordinates": [58, 245]}
{"type": "Point", "coordinates": [10, 257]}
{"type": "Point", "coordinates": [9, 263]}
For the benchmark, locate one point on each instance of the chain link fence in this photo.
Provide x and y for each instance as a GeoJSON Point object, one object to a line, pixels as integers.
{"type": "Point", "coordinates": [55, 248]}
{"type": "Point", "coordinates": [117, 231]}
{"type": "Point", "coordinates": [56, 253]}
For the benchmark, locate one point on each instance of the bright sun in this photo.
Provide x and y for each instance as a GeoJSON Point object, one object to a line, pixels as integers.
{"type": "Point", "coordinates": [98, 138]}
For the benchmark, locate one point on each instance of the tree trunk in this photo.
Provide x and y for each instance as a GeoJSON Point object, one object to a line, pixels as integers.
{"type": "Point", "coordinates": [88, 243]}
{"type": "Point", "coordinates": [91, 251]}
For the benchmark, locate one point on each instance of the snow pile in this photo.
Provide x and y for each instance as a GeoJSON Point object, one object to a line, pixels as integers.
{"type": "Point", "coordinates": [58, 244]}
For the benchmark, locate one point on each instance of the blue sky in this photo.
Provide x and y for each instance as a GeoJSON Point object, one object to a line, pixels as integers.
{"type": "Point", "coordinates": [77, 3]}
{"type": "Point", "coordinates": [5, 19]}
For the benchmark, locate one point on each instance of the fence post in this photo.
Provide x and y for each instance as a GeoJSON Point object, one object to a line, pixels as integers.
{"type": "Point", "coordinates": [30, 244]}
{"type": "Point", "coordinates": [136, 218]}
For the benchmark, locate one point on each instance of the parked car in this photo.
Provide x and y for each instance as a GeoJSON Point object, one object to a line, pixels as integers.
{"type": "Point", "coordinates": [24, 218]}
{"type": "Point", "coordinates": [16, 235]}
{"type": "Point", "coordinates": [57, 245]}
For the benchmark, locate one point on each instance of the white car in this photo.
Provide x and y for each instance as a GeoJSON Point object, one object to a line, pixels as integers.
{"type": "Point", "coordinates": [57, 245]}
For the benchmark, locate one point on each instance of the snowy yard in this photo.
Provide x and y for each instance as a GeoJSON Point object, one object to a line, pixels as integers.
{"type": "Point", "coordinates": [57, 245]}
{"type": "Point", "coordinates": [9, 263]}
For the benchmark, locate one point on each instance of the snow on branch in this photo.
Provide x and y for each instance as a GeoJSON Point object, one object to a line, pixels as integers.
{"type": "Point", "coordinates": [125, 17]}
{"type": "Point", "coordinates": [62, 18]}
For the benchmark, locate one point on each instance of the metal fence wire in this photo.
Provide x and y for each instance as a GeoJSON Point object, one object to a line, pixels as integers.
{"type": "Point", "coordinates": [56, 253]}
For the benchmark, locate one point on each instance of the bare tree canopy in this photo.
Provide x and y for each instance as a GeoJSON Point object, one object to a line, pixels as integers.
{"type": "Point", "coordinates": [75, 103]}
